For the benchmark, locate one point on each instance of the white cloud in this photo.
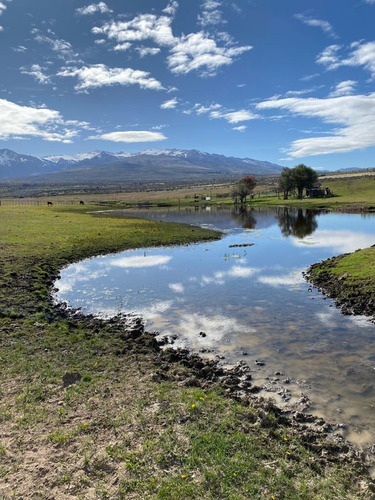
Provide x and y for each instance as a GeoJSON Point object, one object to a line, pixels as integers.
{"type": "Point", "coordinates": [37, 72]}
{"type": "Point", "coordinates": [291, 93]}
{"type": "Point", "coordinates": [199, 109]}
{"type": "Point", "coordinates": [62, 47]}
{"type": "Point", "coordinates": [93, 8]}
{"type": "Point", "coordinates": [241, 128]}
{"type": "Point", "coordinates": [371, 2]}
{"type": "Point", "coordinates": [211, 17]}
{"type": "Point", "coordinates": [25, 121]}
{"type": "Point", "coordinates": [361, 54]}
{"type": "Point", "coordinates": [343, 88]}
{"type": "Point", "coordinates": [355, 114]}
{"type": "Point", "coordinates": [148, 51]}
{"type": "Point", "coordinates": [309, 77]}
{"type": "Point", "coordinates": [317, 23]}
{"type": "Point", "coordinates": [192, 52]}
{"type": "Point", "coordinates": [141, 28]}
{"type": "Point", "coordinates": [122, 46]}
{"type": "Point", "coordinates": [171, 8]}
{"type": "Point", "coordinates": [132, 136]}
{"type": "Point", "coordinates": [177, 287]}
{"type": "Point", "coordinates": [1, 28]}
{"type": "Point", "coordinates": [216, 111]}
{"type": "Point", "coordinates": [2, 7]}
{"type": "Point", "coordinates": [171, 104]}
{"type": "Point", "coordinates": [210, 14]}
{"type": "Point", "coordinates": [198, 52]}
{"type": "Point", "coordinates": [99, 75]}
{"type": "Point", "coordinates": [19, 48]}
{"type": "Point", "coordinates": [234, 117]}
{"type": "Point", "coordinates": [328, 57]}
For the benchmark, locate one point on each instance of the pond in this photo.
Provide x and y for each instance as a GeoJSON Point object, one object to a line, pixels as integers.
{"type": "Point", "coordinates": [244, 298]}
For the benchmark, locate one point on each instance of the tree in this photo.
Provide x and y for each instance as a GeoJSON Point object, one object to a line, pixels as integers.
{"type": "Point", "coordinates": [243, 187]}
{"type": "Point", "coordinates": [286, 182]}
{"type": "Point", "coordinates": [303, 177]}
{"type": "Point", "coordinates": [240, 190]}
{"type": "Point", "coordinates": [250, 182]}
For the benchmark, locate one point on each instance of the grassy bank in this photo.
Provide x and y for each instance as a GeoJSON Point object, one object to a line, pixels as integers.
{"type": "Point", "coordinates": [350, 279]}
{"type": "Point", "coordinates": [94, 410]}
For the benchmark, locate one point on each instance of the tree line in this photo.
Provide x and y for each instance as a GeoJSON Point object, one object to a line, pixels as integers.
{"type": "Point", "coordinates": [291, 180]}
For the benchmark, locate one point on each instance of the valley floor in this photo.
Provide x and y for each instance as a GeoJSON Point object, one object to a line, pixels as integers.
{"type": "Point", "coordinates": [95, 409]}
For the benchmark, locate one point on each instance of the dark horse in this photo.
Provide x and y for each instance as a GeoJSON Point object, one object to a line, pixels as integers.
{"type": "Point", "coordinates": [49, 203]}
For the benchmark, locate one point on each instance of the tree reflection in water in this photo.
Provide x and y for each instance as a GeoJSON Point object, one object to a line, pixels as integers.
{"type": "Point", "coordinates": [297, 222]}
{"type": "Point", "coordinates": [244, 217]}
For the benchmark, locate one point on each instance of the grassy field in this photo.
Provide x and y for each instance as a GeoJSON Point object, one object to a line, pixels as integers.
{"type": "Point", "coordinates": [357, 192]}
{"type": "Point", "coordinates": [89, 410]}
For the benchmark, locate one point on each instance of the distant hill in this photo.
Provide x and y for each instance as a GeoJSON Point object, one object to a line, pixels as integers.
{"type": "Point", "coordinates": [151, 165]}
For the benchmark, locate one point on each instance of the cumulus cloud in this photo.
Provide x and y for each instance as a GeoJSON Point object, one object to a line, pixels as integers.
{"type": "Point", "coordinates": [343, 88]}
{"type": "Point", "coordinates": [36, 71]}
{"type": "Point", "coordinates": [120, 47]}
{"type": "Point", "coordinates": [2, 7]}
{"type": "Point", "coordinates": [94, 8]}
{"type": "Point", "coordinates": [25, 121]}
{"type": "Point", "coordinates": [317, 23]}
{"type": "Point", "coordinates": [193, 52]}
{"type": "Point", "coordinates": [241, 128]}
{"type": "Point", "coordinates": [355, 114]}
{"type": "Point", "coordinates": [171, 104]}
{"type": "Point", "coordinates": [141, 28]}
{"type": "Point", "coordinates": [199, 52]}
{"type": "Point", "coordinates": [132, 136]}
{"type": "Point", "coordinates": [99, 75]}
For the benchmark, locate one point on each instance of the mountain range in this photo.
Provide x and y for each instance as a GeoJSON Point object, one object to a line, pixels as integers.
{"type": "Point", "coordinates": [151, 165]}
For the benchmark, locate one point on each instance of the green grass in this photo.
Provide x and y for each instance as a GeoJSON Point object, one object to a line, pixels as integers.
{"type": "Point", "coordinates": [353, 193]}
{"type": "Point", "coordinates": [123, 430]}
{"type": "Point", "coordinates": [350, 279]}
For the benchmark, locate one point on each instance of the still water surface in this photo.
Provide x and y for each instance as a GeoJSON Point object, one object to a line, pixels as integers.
{"type": "Point", "coordinates": [252, 302]}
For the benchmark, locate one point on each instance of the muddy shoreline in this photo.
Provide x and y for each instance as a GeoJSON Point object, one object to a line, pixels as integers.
{"type": "Point", "coordinates": [189, 369]}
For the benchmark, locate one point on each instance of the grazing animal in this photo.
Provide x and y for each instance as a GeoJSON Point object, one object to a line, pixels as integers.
{"type": "Point", "coordinates": [49, 203]}
{"type": "Point", "coordinates": [81, 202]}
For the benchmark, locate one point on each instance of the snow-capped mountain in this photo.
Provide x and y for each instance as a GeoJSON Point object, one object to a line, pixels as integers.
{"type": "Point", "coordinates": [153, 164]}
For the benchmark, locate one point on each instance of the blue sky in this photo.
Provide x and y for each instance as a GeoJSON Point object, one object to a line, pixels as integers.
{"type": "Point", "coordinates": [289, 82]}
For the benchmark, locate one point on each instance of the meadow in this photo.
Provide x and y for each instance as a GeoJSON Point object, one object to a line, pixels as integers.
{"type": "Point", "coordinates": [93, 409]}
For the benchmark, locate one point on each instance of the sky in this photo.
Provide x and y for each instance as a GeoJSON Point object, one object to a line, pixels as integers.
{"type": "Point", "coordinates": [284, 81]}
